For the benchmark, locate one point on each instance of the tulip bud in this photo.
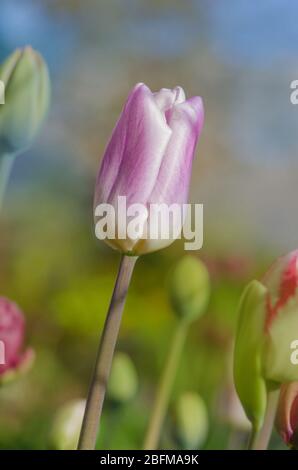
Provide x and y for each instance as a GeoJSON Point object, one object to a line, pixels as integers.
{"type": "Point", "coordinates": [249, 383]}
{"type": "Point", "coordinates": [148, 161]}
{"type": "Point", "coordinates": [13, 360]}
{"type": "Point", "coordinates": [123, 382]}
{"type": "Point", "coordinates": [27, 89]}
{"type": "Point", "coordinates": [67, 424]}
{"type": "Point", "coordinates": [189, 288]}
{"type": "Point", "coordinates": [191, 418]}
{"type": "Point", "coordinates": [281, 326]}
{"type": "Point", "coordinates": [267, 330]}
{"type": "Point", "coordinates": [286, 421]}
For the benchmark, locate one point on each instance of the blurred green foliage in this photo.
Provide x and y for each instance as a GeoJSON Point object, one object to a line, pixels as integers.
{"type": "Point", "coordinates": [62, 277]}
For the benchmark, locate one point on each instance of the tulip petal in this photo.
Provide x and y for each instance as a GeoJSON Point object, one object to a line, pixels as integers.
{"type": "Point", "coordinates": [286, 421]}
{"type": "Point", "coordinates": [277, 364]}
{"type": "Point", "coordinates": [186, 121]}
{"type": "Point", "coordinates": [282, 282]}
{"type": "Point", "coordinates": [134, 154]}
{"type": "Point", "coordinates": [12, 330]}
{"type": "Point", "coordinates": [166, 98]}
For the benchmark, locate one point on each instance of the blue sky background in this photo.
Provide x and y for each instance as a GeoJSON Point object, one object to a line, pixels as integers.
{"type": "Point", "coordinates": [240, 56]}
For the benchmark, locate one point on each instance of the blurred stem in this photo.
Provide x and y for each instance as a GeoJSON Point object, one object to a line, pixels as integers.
{"type": "Point", "coordinates": [236, 439]}
{"type": "Point", "coordinates": [252, 438]}
{"type": "Point", "coordinates": [6, 162]}
{"type": "Point", "coordinates": [105, 354]}
{"type": "Point", "coordinates": [260, 440]}
{"type": "Point", "coordinates": [165, 387]}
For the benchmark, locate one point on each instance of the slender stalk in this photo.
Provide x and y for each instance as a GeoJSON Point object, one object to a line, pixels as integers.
{"type": "Point", "coordinates": [252, 439]}
{"type": "Point", "coordinates": [105, 354]}
{"type": "Point", "coordinates": [236, 439]}
{"type": "Point", "coordinates": [6, 162]}
{"type": "Point", "coordinates": [164, 389]}
{"type": "Point", "coordinates": [260, 440]}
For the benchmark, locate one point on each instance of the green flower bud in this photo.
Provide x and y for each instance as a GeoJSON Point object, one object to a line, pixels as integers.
{"type": "Point", "coordinates": [191, 418]}
{"type": "Point", "coordinates": [250, 385]}
{"type": "Point", "coordinates": [189, 288]}
{"type": "Point", "coordinates": [67, 424]}
{"type": "Point", "coordinates": [27, 92]}
{"type": "Point", "coordinates": [123, 382]}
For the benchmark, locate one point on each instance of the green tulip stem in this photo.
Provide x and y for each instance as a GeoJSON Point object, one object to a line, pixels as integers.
{"type": "Point", "coordinates": [6, 162]}
{"type": "Point", "coordinates": [260, 440]}
{"type": "Point", "coordinates": [105, 354]}
{"type": "Point", "coordinates": [165, 387]}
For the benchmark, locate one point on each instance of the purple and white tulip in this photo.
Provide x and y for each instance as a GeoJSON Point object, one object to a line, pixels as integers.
{"type": "Point", "coordinates": [149, 157]}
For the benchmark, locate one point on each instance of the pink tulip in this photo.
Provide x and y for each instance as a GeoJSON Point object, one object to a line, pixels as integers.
{"type": "Point", "coordinates": [282, 282]}
{"type": "Point", "coordinates": [281, 319]}
{"type": "Point", "coordinates": [266, 346]}
{"type": "Point", "coordinates": [149, 156]}
{"type": "Point", "coordinates": [287, 414]}
{"type": "Point", "coordinates": [12, 332]}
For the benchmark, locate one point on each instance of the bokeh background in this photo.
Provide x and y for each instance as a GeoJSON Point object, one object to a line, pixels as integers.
{"type": "Point", "coordinates": [240, 57]}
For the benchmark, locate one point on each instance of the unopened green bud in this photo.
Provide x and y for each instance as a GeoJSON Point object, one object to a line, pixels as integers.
{"type": "Point", "coordinates": [123, 382]}
{"type": "Point", "coordinates": [67, 424]}
{"type": "Point", "coordinates": [26, 82]}
{"type": "Point", "coordinates": [189, 288]}
{"type": "Point", "coordinates": [191, 420]}
{"type": "Point", "coordinates": [249, 382]}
